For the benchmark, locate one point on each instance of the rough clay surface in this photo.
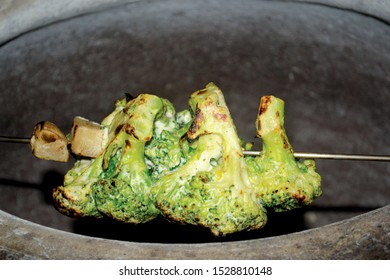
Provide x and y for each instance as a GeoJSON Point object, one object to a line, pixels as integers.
{"type": "Point", "coordinates": [18, 17]}
{"type": "Point", "coordinates": [363, 237]}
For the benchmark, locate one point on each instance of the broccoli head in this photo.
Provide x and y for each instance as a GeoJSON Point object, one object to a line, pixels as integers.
{"type": "Point", "coordinates": [212, 188]}
{"type": "Point", "coordinates": [281, 182]}
{"type": "Point", "coordinates": [124, 190]}
{"type": "Point", "coordinates": [117, 182]}
{"type": "Point", "coordinates": [75, 198]}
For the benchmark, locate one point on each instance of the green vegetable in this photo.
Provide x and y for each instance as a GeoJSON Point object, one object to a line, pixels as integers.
{"type": "Point", "coordinates": [165, 150]}
{"type": "Point", "coordinates": [123, 190]}
{"type": "Point", "coordinates": [212, 188]}
{"type": "Point", "coordinates": [116, 183]}
{"type": "Point", "coordinates": [281, 182]}
{"type": "Point", "coordinates": [75, 198]}
{"type": "Point", "coordinates": [188, 167]}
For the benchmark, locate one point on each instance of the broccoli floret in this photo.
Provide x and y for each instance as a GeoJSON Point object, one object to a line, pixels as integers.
{"type": "Point", "coordinates": [75, 198]}
{"type": "Point", "coordinates": [164, 152]}
{"type": "Point", "coordinates": [281, 182]}
{"type": "Point", "coordinates": [124, 190]}
{"type": "Point", "coordinates": [117, 182]}
{"type": "Point", "coordinates": [212, 188]}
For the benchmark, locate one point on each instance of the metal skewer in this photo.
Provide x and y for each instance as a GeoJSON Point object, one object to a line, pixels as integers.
{"type": "Point", "coordinates": [331, 156]}
{"type": "Point", "coordinates": [21, 140]}
{"type": "Point", "coordinates": [257, 153]}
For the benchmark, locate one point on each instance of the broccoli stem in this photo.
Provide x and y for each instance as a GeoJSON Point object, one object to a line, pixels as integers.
{"type": "Point", "coordinates": [282, 182]}
{"type": "Point", "coordinates": [270, 128]}
{"type": "Point", "coordinates": [133, 167]}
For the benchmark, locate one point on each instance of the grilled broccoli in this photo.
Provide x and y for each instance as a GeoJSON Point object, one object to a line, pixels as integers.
{"type": "Point", "coordinates": [123, 189]}
{"type": "Point", "coordinates": [188, 166]}
{"type": "Point", "coordinates": [142, 140]}
{"type": "Point", "coordinates": [165, 150]}
{"type": "Point", "coordinates": [74, 198]}
{"type": "Point", "coordinates": [281, 182]}
{"type": "Point", "coordinates": [212, 188]}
